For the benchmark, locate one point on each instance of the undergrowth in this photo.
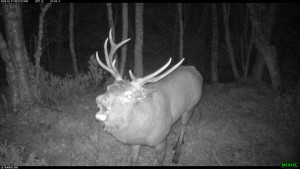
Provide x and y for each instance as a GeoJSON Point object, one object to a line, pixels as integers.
{"type": "Point", "coordinates": [56, 89]}
{"type": "Point", "coordinates": [10, 155]}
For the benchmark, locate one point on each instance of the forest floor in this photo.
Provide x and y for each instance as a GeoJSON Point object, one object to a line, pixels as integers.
{"type": "Point", "coordinates": [234, 125]}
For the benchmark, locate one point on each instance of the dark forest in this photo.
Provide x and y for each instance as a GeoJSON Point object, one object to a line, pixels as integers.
{"type": "Point", "coordinates": [122, 83]}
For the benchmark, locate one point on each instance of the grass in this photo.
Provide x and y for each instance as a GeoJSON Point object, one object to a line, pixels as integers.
{"type": "Point", "coordinates": [233, 125]}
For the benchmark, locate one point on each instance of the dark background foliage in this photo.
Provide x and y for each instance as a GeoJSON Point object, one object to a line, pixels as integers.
{"type": "Point", "coordinates": [160, 36]}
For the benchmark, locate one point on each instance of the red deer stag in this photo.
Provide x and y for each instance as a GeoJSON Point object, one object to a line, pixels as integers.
{"type": "Point", "coordinates": [141, 112]}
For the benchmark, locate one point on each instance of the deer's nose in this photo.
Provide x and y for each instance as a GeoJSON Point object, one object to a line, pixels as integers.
{"type": "Point", "coordinates": [101, 116]}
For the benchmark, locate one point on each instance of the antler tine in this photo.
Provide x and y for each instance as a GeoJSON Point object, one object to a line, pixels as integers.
{"type": "Point", "coordinates": [108, 58]}
{"type": "Point", "coordinates": [133, 78]}
{"type": "Point", "coordinates": [139, 81]}
{"type": "Point", "coordinates": [118, 75]}
{"type": "Point", "coordinates": [114, 46]}
{"type": "Point", "coordinates": [104, 66]}
{"type": "Point", "coordinates": [108, 61]}
{"type": "Point", "coordinates": [155, 79]}
{"type": "Point", "coordinates": [110, 67]}
{"type": "Point", "coordinates": [151, 78]}
{"type": "Point", "coordinates": [113, 49]}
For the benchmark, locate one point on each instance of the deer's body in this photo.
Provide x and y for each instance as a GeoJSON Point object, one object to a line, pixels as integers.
{"type": "Point", "coordinates": [143, 111]}
{"type": "Point", "coordinates": [154, 115]}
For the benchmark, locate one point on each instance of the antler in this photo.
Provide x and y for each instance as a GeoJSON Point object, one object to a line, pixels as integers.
{"type": "Point", "coordinates": [151, 78]}
{"type": "Point", "coordinates": [110, 67]}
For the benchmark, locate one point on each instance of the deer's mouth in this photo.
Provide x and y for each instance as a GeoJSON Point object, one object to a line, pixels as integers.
{"type": "Point", "coordinates": [107, 124]}
{"type": "Point", "coordinates": [102, 114]}
{"type": "Point", "coordinates": [110, 121]}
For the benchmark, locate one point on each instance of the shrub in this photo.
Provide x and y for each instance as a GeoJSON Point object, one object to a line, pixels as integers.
{"type": "Point", "coordinates": [12, 156]}
{"type": "Point", "coordinates": [55, 89]}
{"type": "Point", "coordinates": [95, 70]}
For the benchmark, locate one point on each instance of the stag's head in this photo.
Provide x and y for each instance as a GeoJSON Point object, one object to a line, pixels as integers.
{"type": "Point", "coordinates": [121, 97]}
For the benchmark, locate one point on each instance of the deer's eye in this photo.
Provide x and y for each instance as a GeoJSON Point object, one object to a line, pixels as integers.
{"type": "Point", "coordinates": [128, 96]}
{"type": "Point", "coordinates": [125, 98]}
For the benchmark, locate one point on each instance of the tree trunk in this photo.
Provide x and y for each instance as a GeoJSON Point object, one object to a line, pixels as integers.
{"type": "Point", "coordinates": [110, 18]}
{"type": "Point", "coordinates": [112, 27]}
{"type": "Point", "coordinates": [214, 45]}
{"type": "Point", "coordinates": [138, 49]}
{"type": "Point", "coordinates": [259, 68]}
{"type": "Point", "coordinates": [124, 37]}
{"type": "Point", "coordinates": [200, 40]}
{"type": "Point", "coordinates": [262, 28]}
{"type": "Point", "coordinates": [270, 57]}
{"type": "Point", "coordinates": [72, 47]}
{"type": "Point", "coordinates": [180, 18]}
{"type": "Point", "coordinates": [15, 37]}
{"type": "Point", "coordinates": [11, 75]}
{"type": "Point", "coordinates": [246, 45]}
{"type": "Point", "coordinates": [226, 10]}
{"type": "Point", "coordinates": [57, 57]}
{"type": "Point", "coordinates": [249, 47]}
{"type": "Point", "coordinates": [174, 39]}
{"type": "Point", "coordinates": [38, 52]}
